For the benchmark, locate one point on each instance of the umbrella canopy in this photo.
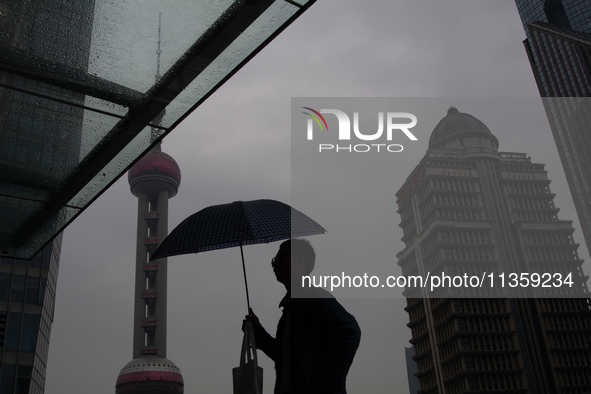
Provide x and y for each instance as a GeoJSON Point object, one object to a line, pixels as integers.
{"type": "Point", "coordinates": [236, 224]}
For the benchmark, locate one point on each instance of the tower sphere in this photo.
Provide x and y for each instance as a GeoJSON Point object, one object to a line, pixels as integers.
{"type": "Point", "coordinates": [155, 172]}
{"type": "Point", "coordinates": [150, 374]}
{"type": "Point", "coordinates": [454, 124]}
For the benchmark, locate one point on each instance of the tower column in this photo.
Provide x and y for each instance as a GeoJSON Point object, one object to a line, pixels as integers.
{"type": "Point", "coordinates": [139, 311]}
{"type": "Point", "coordinates": [153, 180]}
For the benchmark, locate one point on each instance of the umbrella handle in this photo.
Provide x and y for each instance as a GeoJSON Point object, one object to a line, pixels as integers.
{"type": "Point", "coordinates": [245, 281]}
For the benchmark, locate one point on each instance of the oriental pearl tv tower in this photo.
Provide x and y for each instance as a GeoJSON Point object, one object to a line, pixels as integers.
{"type": "Point", "coordinates": [153, 180]}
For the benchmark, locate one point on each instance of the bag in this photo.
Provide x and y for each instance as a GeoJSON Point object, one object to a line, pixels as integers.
{"type": "Point", "coordinates": [248, 377]}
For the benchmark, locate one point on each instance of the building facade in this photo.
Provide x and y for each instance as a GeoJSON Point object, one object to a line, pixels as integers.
{"type": "Point", "coordinates": [558, 46]}
{"type": "Point", "coordinates": [27, 298]}
{"type": "Point", "coordinates": [468, 208]}
{"type": "Point", "coordinates": [40, 124]}
{"type": "Point", "coordinates": [38, 144]}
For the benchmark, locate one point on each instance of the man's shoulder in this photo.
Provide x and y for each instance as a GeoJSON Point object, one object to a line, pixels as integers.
{"type": "Point", "coordinates": [312, 293]}
{"type": "Point", "coordinates": [319, 301]}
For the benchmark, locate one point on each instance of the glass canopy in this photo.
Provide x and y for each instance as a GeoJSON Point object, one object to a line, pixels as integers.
{"type": "Point", "coordinates": [88, 86]}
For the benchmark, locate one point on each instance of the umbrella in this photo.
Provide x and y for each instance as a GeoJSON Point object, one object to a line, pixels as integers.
{"type": "Point", "coordinates": [236, 224]}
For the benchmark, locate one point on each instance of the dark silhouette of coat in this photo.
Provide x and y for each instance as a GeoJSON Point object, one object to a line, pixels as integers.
{"type": "Point", "coordinates": [315, 344]}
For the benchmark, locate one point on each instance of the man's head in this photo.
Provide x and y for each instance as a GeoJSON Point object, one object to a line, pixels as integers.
{"type": "Point", "coordinates": [295, 256]}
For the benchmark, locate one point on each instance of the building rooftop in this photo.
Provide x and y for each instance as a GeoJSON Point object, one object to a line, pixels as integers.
{"type": "Point", "coordinates": [454, 123]}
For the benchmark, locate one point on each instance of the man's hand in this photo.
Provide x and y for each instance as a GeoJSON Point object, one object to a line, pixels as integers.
{"type": "Point", "coordinates": [264, 341]}
{"type": "Point", "coordinates": [251, 317]}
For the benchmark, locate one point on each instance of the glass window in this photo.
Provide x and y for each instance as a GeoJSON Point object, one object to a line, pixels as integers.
{"type": "Point", "coordinates": [6, 260]}
{"type": "Point", "coordinates": [32, 295]}
{"type": "Point", "coordinates": [47, 257]}
{"type": "Point", "coordinates": [18, 288]}
{"type": "Point", "coordinates": [42, 290]}
{"type": "Point", "coordinates": [5, 286]}
{"type": "Point", "coordinates": [22, 385]}
{"type": "Point", "coordinates": [28, 339]}
{"type": "Point", "coordinates": [37, 260]}
{"type": "Point", "coordinates": [14, 319]}
{"type": "Point", "coordinates": [8, 369]}
{"type": "Point", "coordinates": [7, 384]}
{"type": "Point", "coordinates": [12, 337]}
{"type": "Point", "coordinates": [31, 320]}
{"type": "Point", "coordinates": [447, 254]}
{"type": "Point", "coordinates": [25, 370]}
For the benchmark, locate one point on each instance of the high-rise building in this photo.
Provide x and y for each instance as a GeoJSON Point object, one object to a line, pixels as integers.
{"type": "Point", "coordinates": [153, 180]}
{"type": "Point", "coordinates": [40, 124]}
{"type": "Point", "coordinates": [37, 146]}
{"type": "Point", "coordinates": [27, 296]}
{"type": "Point", "coordinates": [468, 208]}
{"type": "Point", "coordinates": [558, 45]}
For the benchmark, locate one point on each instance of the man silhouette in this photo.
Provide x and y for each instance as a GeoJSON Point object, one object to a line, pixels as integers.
{"type": "Point", "coordinates": [316, 337]}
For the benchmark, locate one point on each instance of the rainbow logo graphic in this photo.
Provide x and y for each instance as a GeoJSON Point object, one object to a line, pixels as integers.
{"type": "Point", "coordinates": [316, 118]}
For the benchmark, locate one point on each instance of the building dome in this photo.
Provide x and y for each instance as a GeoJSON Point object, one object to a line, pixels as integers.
{"type": "Point", "coordinates": [155, 172]}
{"type": "Point", "coordinates": [150, 375]}
{"type": "Point", "coordinates": [456, 123]}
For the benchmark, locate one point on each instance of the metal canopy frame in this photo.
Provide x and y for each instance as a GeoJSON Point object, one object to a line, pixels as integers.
{"type": "Point", "coordinates": [143, 109]}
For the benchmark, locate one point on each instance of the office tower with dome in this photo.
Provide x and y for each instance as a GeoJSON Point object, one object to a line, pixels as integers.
{"type": "Point", "coordinates": [469, 208]}
{"type": "Point", "coordinates": [153, 180]}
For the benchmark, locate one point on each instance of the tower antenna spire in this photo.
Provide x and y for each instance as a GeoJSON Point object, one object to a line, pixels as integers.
{"type": "Point", "coordinates": [158, 119]}
{"type": "Point", "coordinates": [158, 51]}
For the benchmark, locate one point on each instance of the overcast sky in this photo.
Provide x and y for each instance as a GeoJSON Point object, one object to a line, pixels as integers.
{"type": "Point", "coordinates": [236, 146]}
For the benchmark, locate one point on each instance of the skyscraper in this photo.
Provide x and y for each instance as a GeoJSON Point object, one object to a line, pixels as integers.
{"type": "Point", "coordinates": [153, 180]}
{"type": "Point", "coordinates": [558, 46]}
{"type": "Point", "coordinates": [27, 297]}
{"type": "Point", "coordinates": [37, 146]}
{"type": "Point", "coordinates": [468, 208]}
